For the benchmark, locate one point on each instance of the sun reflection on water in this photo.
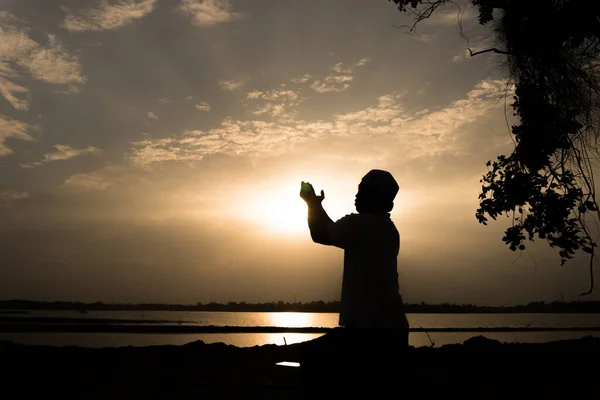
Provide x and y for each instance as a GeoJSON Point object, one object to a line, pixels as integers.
{"type": "Point", "coordinates": [291, 319]}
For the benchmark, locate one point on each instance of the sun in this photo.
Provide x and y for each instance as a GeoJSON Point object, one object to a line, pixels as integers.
{"type": "Point", "coordinates": [278, 210]}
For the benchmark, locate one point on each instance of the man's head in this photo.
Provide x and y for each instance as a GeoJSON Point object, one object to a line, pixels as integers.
{"type": "Point", "coordinates": [376, 192]}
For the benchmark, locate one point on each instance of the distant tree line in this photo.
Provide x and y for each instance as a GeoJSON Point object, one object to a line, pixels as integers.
{"type": "Point", "coordinates": [313, 306]}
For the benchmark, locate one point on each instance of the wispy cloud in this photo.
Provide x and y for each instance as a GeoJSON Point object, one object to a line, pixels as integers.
{"type": "Point", "coordinates": [163, 101]}
{"type": "Point", "coordinates": [386, 111]}
{"type": "Point", "coordinates": [340, 79]}
{"type": "Point", "coordinates": [108, 15]}
{"type": "Point", "coordinates": [301, 79]}
{"type": "Point", "coordinates": [462, 56]}
{"type": "Point", "coordinates": [150, 151]}
{"type": "Point", "coordinates": [20, 54]}
{"type": "Point", "coordinates": [9, 197]}
{"type": "Point", "coordinates": [17, 95]}
{"type": "Point", "coordinates": [52, 64]}
{"type": "Point", "coordinates": [339, 68]}
{"type": "Point", "coordinates": [99, 179]}
{"type": "Point", "coordinates": [13, 195]}
{"type": "Point", "coordinates": [203, 106]}
{"type": "Point", "coordinates": [10, 128]}
{"type": "Point", "coordinates": [424, 37]}
{"type": "Point", "coordinates": [94, 180]}
{"type": "Point", "coordinates": [413, 134]}
{"type": "Point", "coordinates": [208, 12]}
{"type": "Point", "coordinates": [63, 152]}
{"type": "Point", "coordinates": [332, 83]}
{"type": "Point", "coordinates": [363, 61]}
{"type": "Point", "coordinates": [151, 115]}
{"type": "Point", "coordinates": [232, 84]}
{"type": "Point", "coordinates": [435, 132]}
{"type": "Point", "coordinates": [275, 103]}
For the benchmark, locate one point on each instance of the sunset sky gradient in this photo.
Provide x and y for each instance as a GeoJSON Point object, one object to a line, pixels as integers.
{"type": "Point", "coordinates": [152, 151]}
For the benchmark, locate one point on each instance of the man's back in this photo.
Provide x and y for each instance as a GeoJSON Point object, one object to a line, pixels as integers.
{"type": "Point", "coordinates": [370, 295]}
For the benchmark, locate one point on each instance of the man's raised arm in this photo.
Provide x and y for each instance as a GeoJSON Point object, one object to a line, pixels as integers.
{"type": "Point", "coordinates": [318, 220]}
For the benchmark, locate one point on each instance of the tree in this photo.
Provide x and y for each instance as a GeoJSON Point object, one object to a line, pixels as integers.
{"type": "Point", "coordinates": [547, 183]}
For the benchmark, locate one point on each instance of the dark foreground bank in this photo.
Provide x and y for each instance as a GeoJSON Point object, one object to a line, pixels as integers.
{"type": "Point", "coordinates": [479, 368]}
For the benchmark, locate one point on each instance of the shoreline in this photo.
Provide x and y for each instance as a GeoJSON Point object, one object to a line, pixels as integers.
{"type": "Point", "coordinates": [112, 327]}
{"type": "Point", "coordinates": [533, 307]}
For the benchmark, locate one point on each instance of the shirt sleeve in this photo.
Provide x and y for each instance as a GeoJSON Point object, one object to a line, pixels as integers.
{"type": "Point", "coordinates": [343, 232]}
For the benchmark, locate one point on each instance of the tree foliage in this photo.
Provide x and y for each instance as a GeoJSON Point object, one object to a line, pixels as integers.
{"type": "Point", "coordinates": [547, 183]}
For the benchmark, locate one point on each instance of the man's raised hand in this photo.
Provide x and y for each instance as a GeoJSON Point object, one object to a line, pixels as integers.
{"type": "Point", "coordinates": [307, 193]}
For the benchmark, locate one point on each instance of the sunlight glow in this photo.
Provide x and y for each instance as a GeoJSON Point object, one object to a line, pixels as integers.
{"type": "Point", "coordinates": [279, 210]}
{"type": "Point", "coordinates": [291, 319]}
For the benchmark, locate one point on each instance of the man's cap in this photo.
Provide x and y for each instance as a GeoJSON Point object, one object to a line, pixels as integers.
{"type": "Point", "coordinates": [381, 181]}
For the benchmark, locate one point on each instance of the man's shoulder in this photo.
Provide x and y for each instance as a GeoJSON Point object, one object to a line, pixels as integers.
{"type": "Point", "coordinates": [351, 216]}
{"type": "Point", "coordinates": [355, 219]}
{"type": "Point", "coordinates": [365, 217]}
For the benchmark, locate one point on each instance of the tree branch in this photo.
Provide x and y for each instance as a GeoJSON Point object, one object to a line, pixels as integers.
{"type": "Point", "coordinates": [493, 49]}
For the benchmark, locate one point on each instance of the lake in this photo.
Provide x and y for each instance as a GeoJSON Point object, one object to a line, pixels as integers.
{"type": "Point", "coordinates": [293, 319]}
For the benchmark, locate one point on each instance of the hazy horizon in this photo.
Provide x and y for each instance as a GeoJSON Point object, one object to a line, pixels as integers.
{"type": "Point", "coordinates": [292, 302]}
{"type": "Point", "coordinates": [152, 151]}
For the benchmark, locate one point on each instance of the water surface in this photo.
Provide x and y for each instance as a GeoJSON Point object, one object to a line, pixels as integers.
{"type": "Point", "coordinates": [291, 319]}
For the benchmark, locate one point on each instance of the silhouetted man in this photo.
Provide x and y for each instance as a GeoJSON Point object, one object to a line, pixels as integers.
{"type": "Point", "coordinates": [372, 314]}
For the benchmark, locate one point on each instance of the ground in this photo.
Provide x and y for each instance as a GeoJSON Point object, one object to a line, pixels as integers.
{"type": "Point", "coordinates": [479, 368]}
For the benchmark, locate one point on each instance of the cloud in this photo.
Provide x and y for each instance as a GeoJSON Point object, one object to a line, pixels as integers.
{"type": "Point", "coordinates": [21, 55]}
{"type": "Point", "coordinates": [71, 89]}
{"type": "Point", "coordinates": [461, 56]}
{"type": "Point", "coordinates": [340, 69]}
{"type": "Point", "coordinates": [434, 132]}
{"type": "Point", "coordinates": [386, 111]}
{"type": "Point", "coordinates": [11, 92]}
{"type": "Point", "coordinates": [339, 80]}
{"type": "Point", "coordinates": [9, 197]}
{"type": "Point", "coordinates": [102, 178]}
{"type": "Point", "coordinates": [151, 115]}
{"type": "Point", "coordinates": [163, 101]}
{"type": "Point", "coordinates": [52, 64]}
{"type": "Point", "coordinates": [10, 128]}
{"type": "Point", "coordinates": [276, 103]}
{"type": "Point", "coordinates": [63, 152]}
{"type": "Point", "coordinates": [233, 84]}
{"type": "Point", "coordinates": [370, 132]}
{"type": "Point", "coordinates": [302, 79]}
{"type": "Point", "coordinates": [208, 12]}
{"type": "Point", "coordinates": [424, 37]}
{"type": "Point", "coordinates": [332, 83]}
{"type": "Point", "coordinates": [108, 15]}
{"type": "Point", "coordinates": [234, 137]}
{"type": "Point", "coordinates": [92, 181]}
{"type": "Point", "coordinates": [149, 151]}
{"type": "Point", "coordinates": [363, 61]}
{"type": "Point", "coordinates": [203, 106]}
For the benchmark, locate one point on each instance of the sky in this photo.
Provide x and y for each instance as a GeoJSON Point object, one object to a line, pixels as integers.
{"type": "Point", "coordinates": [152, 151]}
